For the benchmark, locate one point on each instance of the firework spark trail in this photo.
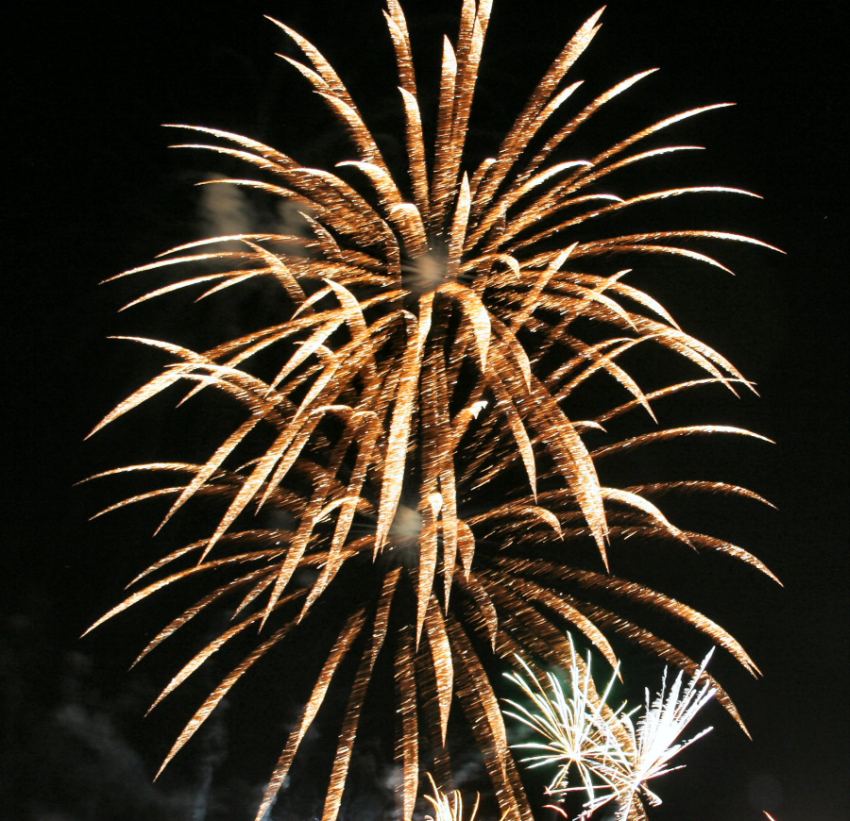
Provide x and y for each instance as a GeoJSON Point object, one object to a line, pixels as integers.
{"type": "Point", "coordinates": [431, 353]}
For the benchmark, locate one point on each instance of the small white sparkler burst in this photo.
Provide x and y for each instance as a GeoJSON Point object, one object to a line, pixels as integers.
{"type": "Point", "coordinates": [448, 806]}
{"type": "Point", "coordinates": [600, 750]}
{"type": "Point", "coordinates": [656, 738]}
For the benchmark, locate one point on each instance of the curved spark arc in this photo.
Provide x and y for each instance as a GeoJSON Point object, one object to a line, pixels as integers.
{"type": "Point", "coordinates": [415, 373]}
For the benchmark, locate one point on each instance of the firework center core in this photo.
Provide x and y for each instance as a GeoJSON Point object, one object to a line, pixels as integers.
{"type": "Point", "coordinates": [426, 272]}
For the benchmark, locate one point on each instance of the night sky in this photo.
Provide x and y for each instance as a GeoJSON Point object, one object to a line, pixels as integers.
{"type": "Point", "coordinates": [95, 191]}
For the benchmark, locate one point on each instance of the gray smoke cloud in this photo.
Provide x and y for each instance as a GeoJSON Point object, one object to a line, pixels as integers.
{"type": "Point", "coordinates": [225, 210]}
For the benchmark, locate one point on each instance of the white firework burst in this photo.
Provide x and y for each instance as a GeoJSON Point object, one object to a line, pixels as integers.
{"type": "Point", "coordinates": [609, 754]}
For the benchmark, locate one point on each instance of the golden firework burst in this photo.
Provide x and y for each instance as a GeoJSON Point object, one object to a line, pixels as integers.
{"type": "Point", "coordinates": [448, 806]}
{"type": "Point", "coordinates": [413, 431]}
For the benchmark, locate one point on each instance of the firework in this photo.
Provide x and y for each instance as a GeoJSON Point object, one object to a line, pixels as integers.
{"type": "Point", "coordinates": [656, 736]}
{"type": "Point", "coordinates": [448, 806]}
{"type": "Point", "coordinates": [582, 735]}
{"type": "Point", "coordinates": [613, 756]}
{"type": "Point", "coordinates": [407, 467]}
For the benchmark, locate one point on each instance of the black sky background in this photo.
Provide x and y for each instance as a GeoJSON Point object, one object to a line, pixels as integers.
{"type": "Point", "coordinates": [93, 190]}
